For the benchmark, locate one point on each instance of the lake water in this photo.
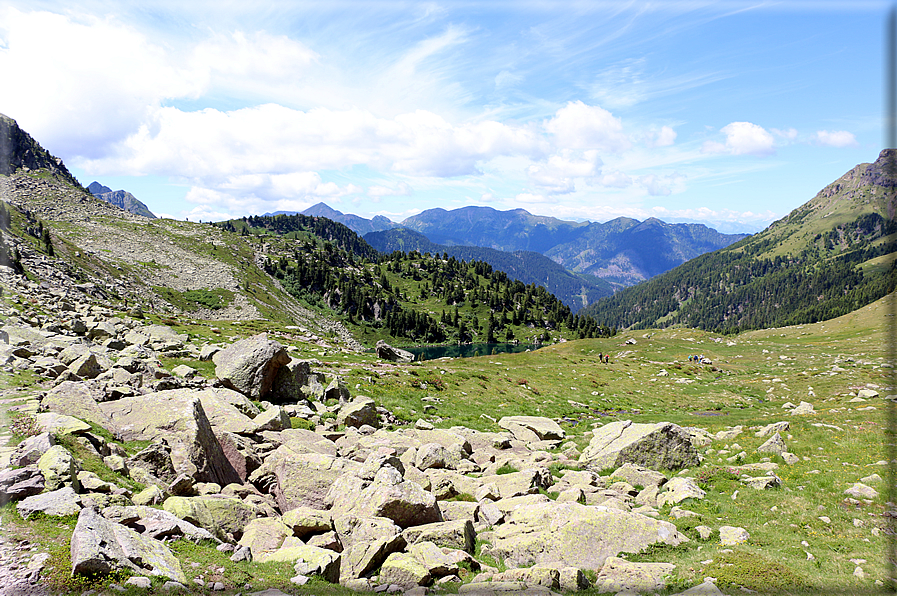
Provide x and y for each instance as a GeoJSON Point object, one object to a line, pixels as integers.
{"type": "Point", "coordinates": [468, 350]}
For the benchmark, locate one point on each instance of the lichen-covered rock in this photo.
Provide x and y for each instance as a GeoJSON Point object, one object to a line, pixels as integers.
{"type": "Point", "coordinates": [219, 515]}
{"type": "Point", "coordinates": [264, 535]}
{"type": "Point", "coordinates": [301, 479]}
{"type": "Point", "coordinates": [576, 535]}
{"type": "Point", "coordinates": [532, 428]}
{"type": "Point", "coordinates": [387, 352]}
{"type": "Point", "coordinates": [774, 445]}
{"type": "Point", "coordinates": [358, 412]}
{"type": "Point", "coordinates": [403, 569]}
{"type": "Point", "coordinates": [637, 475]}
{"type": "Point", "coordinates": [305, 520]}
{"type": "Point", "coordinates": [660, 446]}
{"type": "Point", "coordinates": [99, 546]}
{"type": "Point", "coordinates": [452, 534]}
{"type": "Point", "coordinates": [179, 417]}
{"type": "Point", "coordinates": [250, 365]}
{"type": "Point", "coordinates": [732, 535]}
{"type": "Point", "coordinates": [59, 468]}
{"type": "Point", "coordinates": [678, 489]}
{"type": "Point", "coordinates": [406, 503]}
{"type": "Point", "coordinates": [620, 575]}
{"type": "Point", "coordinates": [58, 503]}
{"type": "Point", "coordinates": [31, 449]}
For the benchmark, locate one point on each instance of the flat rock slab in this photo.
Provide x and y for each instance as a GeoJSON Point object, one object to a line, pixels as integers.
{"type": "Point", "coordinates": [620, 575]}
{"type": "Point", "coordinates": [57, 503]}
{"type": "Point", "coordinates": [525, 427]}
{"type": "Point", "coordinates": [576, 535]}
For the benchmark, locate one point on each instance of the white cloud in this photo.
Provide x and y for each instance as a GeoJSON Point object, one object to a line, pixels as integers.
{"type": "Point", "coordinates": [743, 138]}
{"type": "Point", "coordinates": [661, 186]}
{"type": "Point", "coordinates": [665, 137]}
{"type": "Point", "coordinates": [788, 134]}
{"type": "Point", "coordinates": [403, 189]}
{"type": "Point", "coordinates": [83, 83]}
{"type": "Point", "coordinates": [556, 175]}
{"type": "Point", "coordinates": [533, 199]}
{"type": "Point", "coordinates": [580, 126]}
{"type": "Point", "coordinates": [836, 138]}
{"type": "Point", "coordinates": [616, 179]}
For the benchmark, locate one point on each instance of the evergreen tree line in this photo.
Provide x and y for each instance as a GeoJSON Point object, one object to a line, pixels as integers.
{"type": "Point", "coordinates": [383, 292]}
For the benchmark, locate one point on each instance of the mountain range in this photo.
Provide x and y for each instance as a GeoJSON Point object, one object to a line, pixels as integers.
{"type": "Point", "coordinates": [622, 251]}
{"type": "Point", "coordinates": [830, 256]}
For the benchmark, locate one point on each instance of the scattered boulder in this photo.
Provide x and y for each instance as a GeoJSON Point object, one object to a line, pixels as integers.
{"type": "Point", "coordinates": [59, 468]}
{"type": "Point", "coordinates": [576, 535]}
{"type": "Point", "coordinates": [58, 503]}
{"type": "Point", "coordinates": [359, 412]}
{"type": "Point", "coordinates": [101, 546]}
{"type": "Point", "coordinates": [656, 446]}
{"type": "Point", "coordinates": [531, 429]}
{"type": "Point", "coordinates": [732, 535]}
{"type": "Point", "coordinates": [387, 352]}
{"type": "Point", "coordinates": [250, 365]}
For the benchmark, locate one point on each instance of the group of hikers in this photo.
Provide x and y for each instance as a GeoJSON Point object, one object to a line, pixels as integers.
{"type": "Point", "coordinates": [605, 358]}
{"type": "Point", "coordinates": [696, 358]}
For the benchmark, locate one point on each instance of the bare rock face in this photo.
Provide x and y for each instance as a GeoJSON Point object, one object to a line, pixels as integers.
{"type": "Point", "coordinates": [250, 365]}
{"type": "Point", "coordinates": [661, 446]}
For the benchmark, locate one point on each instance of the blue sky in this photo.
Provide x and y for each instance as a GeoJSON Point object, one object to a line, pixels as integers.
{"type": "Point", "coordinates": [725, 113]}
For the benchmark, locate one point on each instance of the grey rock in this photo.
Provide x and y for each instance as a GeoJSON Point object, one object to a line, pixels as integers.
{"type": "Point", "coordinates": [250, 365]}
{"type": "Point", "coordinates": [657, 446]}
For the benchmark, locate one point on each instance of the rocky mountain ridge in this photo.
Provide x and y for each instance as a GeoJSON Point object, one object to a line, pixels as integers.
{"type": "Point", "coordinates": [120, 198]}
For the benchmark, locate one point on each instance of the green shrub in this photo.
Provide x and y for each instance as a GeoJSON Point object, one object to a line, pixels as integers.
{"type": "Point", "coordinates": [506, 469]}
{"type": "Point", "coordinates": [754, 572]}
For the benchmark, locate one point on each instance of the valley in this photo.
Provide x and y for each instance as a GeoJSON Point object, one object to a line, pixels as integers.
{"type": "Point", "coordinates": [194, 407]}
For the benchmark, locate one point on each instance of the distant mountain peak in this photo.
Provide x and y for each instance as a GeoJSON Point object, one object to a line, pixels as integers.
{"type": "Point", "coordinates": [120, 198]}
{"type": "Point", "coordinates": [322, 210]}
{"type": "Point", "coordinates": [97, 188]}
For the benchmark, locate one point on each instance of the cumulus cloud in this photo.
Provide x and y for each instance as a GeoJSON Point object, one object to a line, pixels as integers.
{"type": "Point", "coordinates": [665, 137]}
{"type": "Point", "coordinates": [661, 186]}
{"type": "Point", "coordinates": [789, 134]}
{"type": "Point", "coordinates": [556, 175]}
{"type": "Point", "coordinates": [835, 138]}
{"type": "Point", "coordinates": [743, 138]}
{"type": "Point", "coordinates": [616, 179]}
{"type": "Point", "coordinates": [87, 82]}
{"type": "Point", "coordinates": [581, 126]}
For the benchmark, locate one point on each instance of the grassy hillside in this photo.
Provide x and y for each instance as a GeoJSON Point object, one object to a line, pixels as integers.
{"type": "Point", "coordinates": [826, 258]}
{"type": "Point", "coordinates": [526, 266]}
{"type": "Point", "coordinates": [405, 297]}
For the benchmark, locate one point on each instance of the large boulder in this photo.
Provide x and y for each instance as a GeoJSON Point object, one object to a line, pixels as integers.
{"type": "Point", "coordinates": [99, 546]}
{"type": "Point", "coordinates": [59, 468]}
{"type": "Point", "coordinates": [298, 478]}
{"type": "Point", "coordinates": [532, 428]}
{"type": "Point", "coordinates": [250, 365]}
{"type": "Point", "coordinates": [218, 514]}
{"type": "Point", "coordinates": [78, 400]}
{"type": "Point", "coordinates": [387, 352]}
{"type": "Point", "coordinates": [358, 412]}
{"type": "Point", "coordinates": [406, 503]}
{"type": "Point", "coordinates": [576, 535]}
{"type": "Point", "coordinates": [58, 503]}
{"type": "Point", "coordinates": [659, 446]}
{"type": "Point", "coordinates": [179, 417]}
{"type": "Point", "coordinates": [620, 575]}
